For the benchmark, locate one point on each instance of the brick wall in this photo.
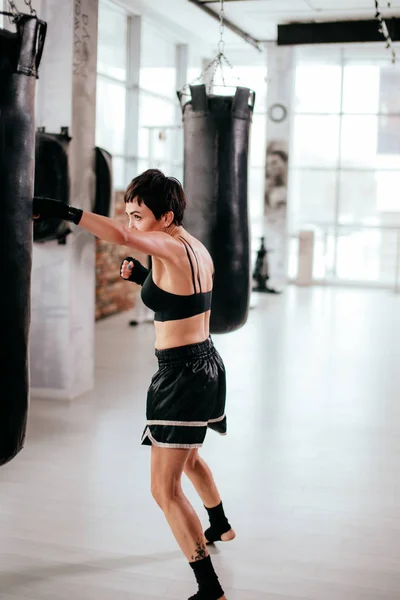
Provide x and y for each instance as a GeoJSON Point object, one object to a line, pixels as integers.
{"type": "Point", "coordinates": [113, 294]}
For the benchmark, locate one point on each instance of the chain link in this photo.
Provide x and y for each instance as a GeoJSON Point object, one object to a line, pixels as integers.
{"type": "Point", "coordinates": [221, 43]}
{"type": "Point", "coordinates": [217, 64]}
{"type": "Point", "coordinates": [29, 5]}
{"type": "Point", "coordinates": [383, 29]}
{"type": "Point", "coordinates": [14, 10]}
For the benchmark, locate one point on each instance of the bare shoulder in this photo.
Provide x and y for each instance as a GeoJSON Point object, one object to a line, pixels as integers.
{"type": "Point", "coordinates": [200, 250]}
{"type": "Point", "coordinates": [205, 255]}
{"type": "Point", "coordinates": [156, 243]}
{"type": "Point", "coordinates": [179, 257]}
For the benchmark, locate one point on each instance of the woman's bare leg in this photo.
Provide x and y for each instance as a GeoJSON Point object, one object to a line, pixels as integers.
{"type": "Point", "coordinates": [166, 472]}
{"type": "Point", "coordinates": [203, 481]}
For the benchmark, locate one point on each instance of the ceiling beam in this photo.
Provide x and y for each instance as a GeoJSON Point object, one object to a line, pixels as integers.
{"type": "Point", "coordinates": [336, 32]}
{"type": "Point", "coordinates": [240, 32]}
{"type": "Point", "coordinates": [219, 1]}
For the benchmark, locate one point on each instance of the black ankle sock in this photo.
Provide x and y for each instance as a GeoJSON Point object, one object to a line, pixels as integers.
{"type": "Point", "coordinates": [219, 523]}
{"type": "Point", "coordinates": [206, 577]}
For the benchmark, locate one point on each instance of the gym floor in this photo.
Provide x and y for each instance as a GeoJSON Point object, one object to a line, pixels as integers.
{"type": "Point", "coordinates": [309, 471]}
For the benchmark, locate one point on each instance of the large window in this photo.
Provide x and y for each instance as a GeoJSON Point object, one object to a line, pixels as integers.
{"type": "Point", "coordinates": [160, 132]}
{"type": "Point", "coordinates": [111, 86]}
{"type": "Point", "coordinates": [345, 168]}
{"type": "Point", "coordinates": [154, 121]}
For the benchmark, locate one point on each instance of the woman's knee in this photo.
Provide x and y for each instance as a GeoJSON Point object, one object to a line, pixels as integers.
{"type": "Point", "coordinates": [165, 491]}
{"type": "Point", "coordinates": [166, 474]}
{"type": "Point", "coordinates": [192, 463]}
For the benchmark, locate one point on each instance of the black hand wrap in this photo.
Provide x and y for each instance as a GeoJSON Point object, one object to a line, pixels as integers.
{"type": "Point", "coordinates": [138, 272]}
{"type": "Point", "coordinates": [46, 208]}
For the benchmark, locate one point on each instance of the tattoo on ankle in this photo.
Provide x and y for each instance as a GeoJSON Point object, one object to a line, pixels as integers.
{"type": "Point", "coordinates": [201, 551]}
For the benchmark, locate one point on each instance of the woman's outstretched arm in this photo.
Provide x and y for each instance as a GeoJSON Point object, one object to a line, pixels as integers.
{"type": "Point", "coordinates": [155, 243]}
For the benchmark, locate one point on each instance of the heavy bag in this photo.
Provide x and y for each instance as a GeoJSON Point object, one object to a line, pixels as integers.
{"type": "Point", "coordinates": [20, 55]}
{"type": "Point", "coordinates": [216, 149]}
{"type": "Point", "coordinates": [104, 183]}
{"type": "Point", "coordinates": [52, 181]}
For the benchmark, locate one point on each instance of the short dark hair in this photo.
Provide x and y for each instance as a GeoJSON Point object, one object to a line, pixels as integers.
{"type": "Point", "coordinates": [159, 193]}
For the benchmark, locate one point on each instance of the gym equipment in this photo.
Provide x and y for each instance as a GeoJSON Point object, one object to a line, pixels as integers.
{"type": "Point", "coordinates": [52, 181]}
{"type": "Point", "coordinates": [104, 183]}
{"type": "Point", "coordinates": [216, 151]}
{"type": "Point", "coordinates": [20, 55]}
{"type": "Point", "coordinates": [261, 271]}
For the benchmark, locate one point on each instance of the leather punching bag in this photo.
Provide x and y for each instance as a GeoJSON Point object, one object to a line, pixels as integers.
{"type": "Point", "coordinates": [52, 181]}
{"type": "Point", "coordinates": [104, 183]}
{"type": "Point", "coordinates": [20, 55]}
{"type": "Point", "coordinates": [216, 149]}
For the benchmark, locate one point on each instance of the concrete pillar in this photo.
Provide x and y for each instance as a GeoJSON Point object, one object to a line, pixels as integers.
{"type": "Point", "coordinates": [63, 277]}
{"type": "Point", "coordinates": [280, 97]}
{"type": "Point", "coordinates": [133, 59]}
{"type": "Point", "coordinates": [140, 312]}
{"type": "Point", "coordinates": [182, 69]}
{"type": "Point", "coordinates": [3, 20]}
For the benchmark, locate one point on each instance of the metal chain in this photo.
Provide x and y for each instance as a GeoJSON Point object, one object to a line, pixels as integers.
{"type": "Point", "coordinates": [213, 66]}
{"type": "Point", "coordinates": [14, 10]}
{"type": "Point", "coordinates": [29, 5]}
{"type": "Point", "coordinates": [221, 43]}
{"type": "Point", "coordinates": [383, 29]}
{"type": "Point", "coordinates": [217, 63]}
{"type": "Point", "coordinates": [214, 73]}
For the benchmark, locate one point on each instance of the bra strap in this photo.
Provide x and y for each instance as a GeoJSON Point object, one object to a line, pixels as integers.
{"type": "Point", "coordinates": [197, 262]}
{"type": "Point", "coordinates": [190, 262]}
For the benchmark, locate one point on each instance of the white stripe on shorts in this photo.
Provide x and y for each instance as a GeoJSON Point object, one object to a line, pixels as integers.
{"type": "Point", "coordinates": [186, 423]}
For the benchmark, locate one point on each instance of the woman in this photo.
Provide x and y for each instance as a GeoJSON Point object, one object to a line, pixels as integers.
{"type": "Point", "coordinates": [187, 394]}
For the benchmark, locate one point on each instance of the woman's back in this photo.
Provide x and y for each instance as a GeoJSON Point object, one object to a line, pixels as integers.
{"type": "Point", "coordinates": [186, 280]}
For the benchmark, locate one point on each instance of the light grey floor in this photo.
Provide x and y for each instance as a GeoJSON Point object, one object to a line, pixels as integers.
{"type": "Point", "coordinates": [309, 472]}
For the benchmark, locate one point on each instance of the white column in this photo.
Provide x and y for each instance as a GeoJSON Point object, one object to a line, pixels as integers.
{"type": "Point", "coordinates": [182, 69]}
{"type": "Point", "coordinates": [133, 59]}
{"type": "Point", "coordinates": [140, 312]}
{"type": "Point", "coordinates": [3, 19]}
{"type": "Point", "coordinates": [279, 106]}
{"type": "Point", "coordinates": [63, 277]}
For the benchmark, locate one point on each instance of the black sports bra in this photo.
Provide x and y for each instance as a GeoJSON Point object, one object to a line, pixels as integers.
{"type": "Point", "coordinates": [172, 307]}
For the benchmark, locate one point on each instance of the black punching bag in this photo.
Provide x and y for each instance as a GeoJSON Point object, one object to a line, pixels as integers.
{"type": "Point", "coordinates": [52, 181]}
{"type": "Point", "coordinates": [216, 150]}
{"type": "Point", "coordinates": [104, 183]}
{"type": "Point", "coordinates": [20, 55]}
